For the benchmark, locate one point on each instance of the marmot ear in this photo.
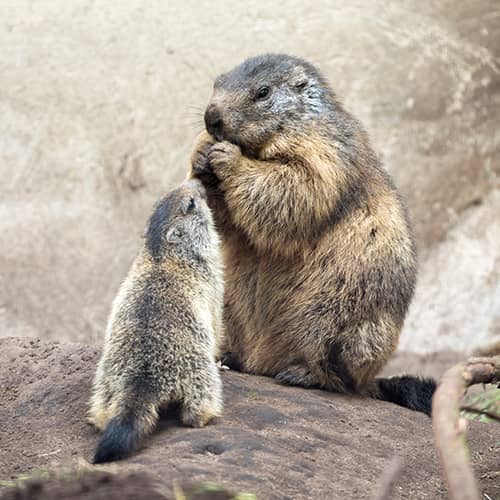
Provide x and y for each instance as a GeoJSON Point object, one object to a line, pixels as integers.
{"type": "Point", "coordinates": [174, 235]}
{"type": "Point", "coordinates": [299, 79]}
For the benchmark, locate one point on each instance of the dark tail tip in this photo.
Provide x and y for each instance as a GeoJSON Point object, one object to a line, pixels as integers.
{"type": "Point", "coordinates": [411, 392]}
{"type": "Point", "coordinates": [120, 438]}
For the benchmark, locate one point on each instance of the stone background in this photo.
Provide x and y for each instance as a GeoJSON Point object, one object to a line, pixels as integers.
{"type": "Point", "coordinates": [100, 103]}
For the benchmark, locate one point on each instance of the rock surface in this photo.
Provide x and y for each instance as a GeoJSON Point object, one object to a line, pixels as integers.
{"type": "Point", "coordinates": [100, 104]}
{"type": "Point", "coordinates": [277, 442]}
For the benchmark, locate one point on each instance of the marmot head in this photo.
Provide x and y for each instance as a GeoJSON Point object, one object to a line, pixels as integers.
{"type": "Point", "coordinates": [263, 96]}
{"type": "Point", "coordinates": [181, 225]}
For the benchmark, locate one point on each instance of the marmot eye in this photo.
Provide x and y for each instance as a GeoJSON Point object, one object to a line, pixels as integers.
{"type": "Point", "coordinates": [301, 85]}
{"type": "Point", "coordinates": [262, 93]}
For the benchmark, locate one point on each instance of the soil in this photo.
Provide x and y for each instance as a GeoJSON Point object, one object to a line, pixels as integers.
{"type": "Point", "coordinates": [273, 441]}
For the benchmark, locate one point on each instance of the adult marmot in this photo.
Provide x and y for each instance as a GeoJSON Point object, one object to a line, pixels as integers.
{"type": "Point", "coordinates": [320, 259]}
{"type": "Point", "coordinates": [164, 328]}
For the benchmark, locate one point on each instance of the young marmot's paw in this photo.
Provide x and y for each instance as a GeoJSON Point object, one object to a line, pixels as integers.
{"type": "Point", "coordinates": [201, 415]}
{"type": "Point", "coordinates": [222, 157]}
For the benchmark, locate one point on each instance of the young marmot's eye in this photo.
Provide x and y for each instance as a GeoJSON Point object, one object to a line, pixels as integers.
{"type": "Point", "coordinates": [192, 204]}
{"type": "Point", "coordinates": [262, 93]}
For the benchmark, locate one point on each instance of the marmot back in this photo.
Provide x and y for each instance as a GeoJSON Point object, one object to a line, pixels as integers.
{"type": "Point", "coordinates": [320, 258]}
{"type": "Point", "coordinates": [164, 329]}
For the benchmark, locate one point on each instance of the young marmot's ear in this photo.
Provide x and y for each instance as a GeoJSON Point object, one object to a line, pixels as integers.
{"type": "Point", "coordinates": [174, 235]}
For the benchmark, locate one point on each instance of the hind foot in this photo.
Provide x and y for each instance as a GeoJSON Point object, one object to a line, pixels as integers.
{"type": "Point", "coordinates": [231, 360]}
{"type": "Point", "coordinates": [297, 375]}
{"type": "Point", "coordinates": [99, 417]}
{"type": "Point", "coordinates": [199, 416]}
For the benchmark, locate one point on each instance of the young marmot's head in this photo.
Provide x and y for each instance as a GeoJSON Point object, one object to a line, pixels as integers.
{"type": "Point", "coordinates": [181, 225]}
{"type": "Point", "coordinates": [266, 95]}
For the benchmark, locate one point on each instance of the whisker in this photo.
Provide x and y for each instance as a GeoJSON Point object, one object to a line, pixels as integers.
{"type": "Point", "coordinates": [196, 108]}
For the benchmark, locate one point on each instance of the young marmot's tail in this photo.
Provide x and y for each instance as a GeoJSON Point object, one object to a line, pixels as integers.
{"type": "Point", "coordinates": [124, 431]}
{"type": "Point", "coordinates": [411, 392]}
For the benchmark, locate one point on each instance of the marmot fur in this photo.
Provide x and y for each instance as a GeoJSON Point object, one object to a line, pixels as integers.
{"type": "Point", "coordinates": [319, 254]}
{"type": "Point", "coordinates": [164, 329]}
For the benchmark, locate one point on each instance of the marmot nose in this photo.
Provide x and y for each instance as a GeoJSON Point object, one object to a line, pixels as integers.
{"type": "Point", "coordinates": [213, 121]}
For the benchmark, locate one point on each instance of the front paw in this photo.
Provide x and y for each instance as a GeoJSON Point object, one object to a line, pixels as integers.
{"type": "Point", "coordinates": [223, 156]}
{"type": "Point", "coordinates": [200, 166]}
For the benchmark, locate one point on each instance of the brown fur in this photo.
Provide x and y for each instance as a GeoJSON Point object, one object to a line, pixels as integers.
{"type": "Point", "coordinates": [320, 261]}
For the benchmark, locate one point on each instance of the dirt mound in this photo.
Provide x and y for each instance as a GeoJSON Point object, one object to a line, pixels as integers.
{"type": "Point", "coordinates": [274, 441]}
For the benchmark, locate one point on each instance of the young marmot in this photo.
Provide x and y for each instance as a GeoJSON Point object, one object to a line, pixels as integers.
{"type": "Point", "coordinates": [320, 259]}
{"type": "Point", "coordinates": [164, 329]}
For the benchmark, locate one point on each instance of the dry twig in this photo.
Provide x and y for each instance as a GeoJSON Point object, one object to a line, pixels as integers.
{"type": "Point", "coordinates": [449, 428]}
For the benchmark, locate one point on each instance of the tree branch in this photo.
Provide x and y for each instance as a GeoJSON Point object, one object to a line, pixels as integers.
{"type": "Point", "coordinates": [388, 479]}
{"type": "Point", "coordinates": [449, 427]}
